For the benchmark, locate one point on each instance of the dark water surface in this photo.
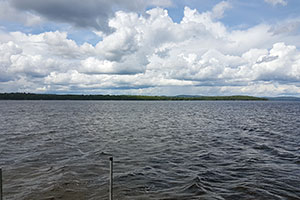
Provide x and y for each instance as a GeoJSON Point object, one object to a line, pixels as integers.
{"type": "Point", "coordinates": [162, 150]}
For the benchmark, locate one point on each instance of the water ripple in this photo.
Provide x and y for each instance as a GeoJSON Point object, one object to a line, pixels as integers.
{"type": "Point", "coordinates": [162, 150]}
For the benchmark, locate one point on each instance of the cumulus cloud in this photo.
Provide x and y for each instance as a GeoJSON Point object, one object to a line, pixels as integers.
{"type": "Point", "coordinates": [275, 2]}
{"type": "Point", "coordinates": [151, 54]}
{"type": "Point", "coordinates": [35, 56]}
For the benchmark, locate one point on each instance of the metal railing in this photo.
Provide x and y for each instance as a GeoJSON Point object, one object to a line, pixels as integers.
{"type": "Point", "coordinates": [1, 188]}
{"type": "Point", "coordinates": [111, 178]}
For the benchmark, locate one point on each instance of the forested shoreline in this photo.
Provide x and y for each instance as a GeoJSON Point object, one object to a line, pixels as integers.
{"type": "Point", "coordinates": [33, 96]}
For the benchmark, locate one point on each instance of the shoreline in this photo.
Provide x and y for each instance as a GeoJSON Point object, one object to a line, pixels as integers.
{"type": "Point", "coordinates": [33, 96]}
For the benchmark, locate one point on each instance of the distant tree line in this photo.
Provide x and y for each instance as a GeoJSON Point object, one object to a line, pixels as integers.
{"type": "Point", "coordinates": [32, 96]}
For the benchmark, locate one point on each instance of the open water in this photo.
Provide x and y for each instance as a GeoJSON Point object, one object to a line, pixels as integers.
{"type": "Point", "coordinates": [162, 150]}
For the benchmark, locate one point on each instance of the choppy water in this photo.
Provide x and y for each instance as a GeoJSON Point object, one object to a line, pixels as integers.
{"type": "Point", "coordinates": [162, 150]}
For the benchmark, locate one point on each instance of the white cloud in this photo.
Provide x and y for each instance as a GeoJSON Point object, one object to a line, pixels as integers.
{"type": "Point", "coordinates": [150, 54]}
{"type": "Point", "coordinates": [275, 2]}
{"type": "Point", "coordinates": [219, 9]}
{"type": "Point", "coordinates": [288, 27]}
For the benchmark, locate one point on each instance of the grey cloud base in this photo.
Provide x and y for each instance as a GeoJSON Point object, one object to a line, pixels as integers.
{"type": "Point", "coordinates": [88, 13]}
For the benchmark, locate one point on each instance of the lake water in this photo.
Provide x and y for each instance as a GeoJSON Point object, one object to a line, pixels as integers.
{"type": "Point", "coordinates": [162, 150]}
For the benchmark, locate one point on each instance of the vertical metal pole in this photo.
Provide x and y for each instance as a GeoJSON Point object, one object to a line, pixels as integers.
{"type": "Point", "coordinates": [1, 189]}
{"type": "Point", "coordinates": [110, 178]}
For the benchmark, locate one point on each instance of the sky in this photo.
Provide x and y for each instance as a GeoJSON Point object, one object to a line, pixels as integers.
{"type": "Point", "coordinates": [151, 47]}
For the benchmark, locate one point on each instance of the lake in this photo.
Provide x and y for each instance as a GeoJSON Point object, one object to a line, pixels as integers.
{"type": "Point", "coordinates": [162, 149]}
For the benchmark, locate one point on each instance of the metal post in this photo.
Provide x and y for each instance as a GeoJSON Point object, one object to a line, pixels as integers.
{"type": "Point", "coordinates": [1, 189]}
{"type": "Point", "coordinates": [110, 178]}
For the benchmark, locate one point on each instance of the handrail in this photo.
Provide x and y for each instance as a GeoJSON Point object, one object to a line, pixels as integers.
{"type": "Point", "coordinates": [110, 178]}
{"type": "Point", "coordinates": [1, 188]}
